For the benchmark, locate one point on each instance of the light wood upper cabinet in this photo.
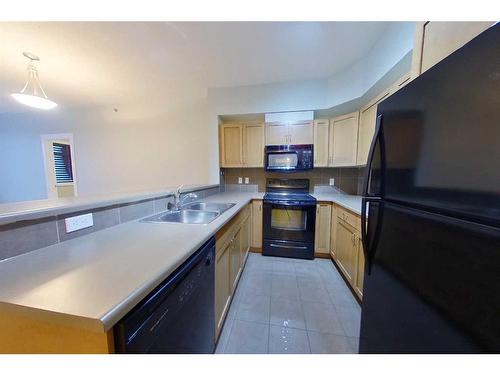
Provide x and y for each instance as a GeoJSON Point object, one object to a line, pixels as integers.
{"type": "Point", "coordinates": [366, 130]}
{"type": "Point", "coordinates": [253, 136]}
{"type": "Point", "coordinates": [231, 141]}
{"type": "Point", "coordinates": [436, 40]}
{"type": "Point", "coordinates": [276, 134]}
{"type": "Point", "coordinates": [321, 135]}
{"type": "Point", "coordinates": [344, 140]}
{"type": "Point", "coordinates": [289, 133]}
{"type": "Point", "coordinates": [323, 223]}
{"type": "Point", "coordinates": [400, 83]}
{"type": "Point", "coordinates": [242, 145]}
{"type": "Point", "coordinates": [256, 224]}
{"type": "Point", "coordinates": [301, 133]}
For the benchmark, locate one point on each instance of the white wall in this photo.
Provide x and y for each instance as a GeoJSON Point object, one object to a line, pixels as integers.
{"type": "Point", "coordinates": [145, 146]}
{"type": "Point", "coordinates": [138, 148]}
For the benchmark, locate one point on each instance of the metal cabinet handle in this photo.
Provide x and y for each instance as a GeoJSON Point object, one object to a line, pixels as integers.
{"type": "Point", "coordinates": [289, 247]}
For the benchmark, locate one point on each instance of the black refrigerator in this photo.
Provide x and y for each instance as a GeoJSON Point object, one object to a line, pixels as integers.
{"type": "Point", "coordinates": [432, 194]}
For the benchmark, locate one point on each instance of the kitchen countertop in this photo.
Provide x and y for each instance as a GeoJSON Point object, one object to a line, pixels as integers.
{"type": "Point", "coordinates": [350, 202]}
{"type": "Point", "coordinates": [94, 280]}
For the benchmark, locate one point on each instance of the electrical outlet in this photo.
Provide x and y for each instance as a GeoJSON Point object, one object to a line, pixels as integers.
{"type": "Point", "coordinates": [247, 180]}
{"type": "Point", "coordinates": [79, 222]}
{"type": "Point", "coordinates": [240, 180]}
{"type": "Point", "coordinates": [332, 182]}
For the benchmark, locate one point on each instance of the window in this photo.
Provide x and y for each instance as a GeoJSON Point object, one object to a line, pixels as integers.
{"type": "Point", "coordinates": [62, 163]}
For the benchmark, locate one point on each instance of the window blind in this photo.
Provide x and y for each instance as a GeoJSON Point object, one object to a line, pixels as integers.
{"type": "Point", "coordinates": [62, 162]}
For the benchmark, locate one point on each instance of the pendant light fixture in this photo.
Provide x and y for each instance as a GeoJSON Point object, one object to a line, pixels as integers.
{"type": "Point", "coordinates": [32, 93]}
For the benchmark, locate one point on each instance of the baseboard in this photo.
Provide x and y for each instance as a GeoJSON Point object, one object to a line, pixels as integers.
{"type": "Point", "coordinates": [256, 250]}
{"type": "Point", "coordinates": [322, 255]}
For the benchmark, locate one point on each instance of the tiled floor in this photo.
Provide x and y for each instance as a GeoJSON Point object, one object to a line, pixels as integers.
{"type": "Point", "coordinates": [291, 306]}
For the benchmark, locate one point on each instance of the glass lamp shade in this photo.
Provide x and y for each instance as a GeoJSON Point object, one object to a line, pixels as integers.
{"type": "Point", "coordinates": [34, 101]}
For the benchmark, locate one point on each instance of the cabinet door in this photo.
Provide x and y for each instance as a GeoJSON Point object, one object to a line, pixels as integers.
{"type": "Point", "coordinates": [276, 134]}
{"type": "Point", "coordinates": [344, 146]}
{"type": "Point", "coordinates": [254, 145]}
{"type": "Point", "coordinates": [360, 267]}
{"type": "Point", "coordinates": [400, 83]}
{"type": "Point", "coordinates": [346, 254]}
{"type": "Point", "coordinates": [235, 260]}
{"type": "Point", "coordinates": [222, 286]}
{"type": "Point", "coordinates": [367, 117]}
{"type": "Point", "coordinates": [256, 224]}
{"type": "Point", "coordinates": [231, 145]}
{"type": "Point", "coordinates": [321, 130]}
{"type": "Point", "coordinates": [333, 233]}
{"type": "Point", "coordinates": [301, 133]}
{"type": "Point", "coordinates": [436, 40]}
{"type": "Point", "coordinates": [245, 241]}
{"type": "Point", "coordinates": [323, 222]}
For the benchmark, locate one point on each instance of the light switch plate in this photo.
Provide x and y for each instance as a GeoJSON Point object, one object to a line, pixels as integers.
{"type": "Point", "coordinates": [79, 222]}
{"type": "Point", "coordinates": [240, 180]}
{"type": "Point", "coordinates": [332, 182]}
{"type": "Point", "coordinates": [247, 180]}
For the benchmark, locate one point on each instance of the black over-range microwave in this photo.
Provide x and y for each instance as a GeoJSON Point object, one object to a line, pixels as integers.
{"type": "Point", "coordinates": [288, 158]}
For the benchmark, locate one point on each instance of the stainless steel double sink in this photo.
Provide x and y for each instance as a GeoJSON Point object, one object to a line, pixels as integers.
{"type": "Point", "coordinates": [192, 213]}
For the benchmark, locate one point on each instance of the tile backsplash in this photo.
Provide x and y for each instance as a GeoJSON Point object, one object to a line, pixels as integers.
{"type": "Point", "coordinates": [28, 235]}
{"type": "Point", "coordinates": [349, 180]}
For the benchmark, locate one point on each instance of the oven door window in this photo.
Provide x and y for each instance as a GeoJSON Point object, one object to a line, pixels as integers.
{"type": "Point", "coordinates": [282, 160]}
{"type": "Point", "coordinates": [288, 219]}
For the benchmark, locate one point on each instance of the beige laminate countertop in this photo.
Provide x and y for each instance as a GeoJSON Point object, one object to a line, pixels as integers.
{"type": "Point", "coordinates": [350, 202]}
{"type": "Point", "coordinates": [94, 280]}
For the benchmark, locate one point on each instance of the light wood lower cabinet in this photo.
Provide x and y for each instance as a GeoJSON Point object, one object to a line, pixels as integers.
{"type": "Point", "coordinates": [222, 286]}
{"type": "Point", "coordinates": [333, 233]}
{"type": "Point", "coordinates": [235, 263]}
{"type": "Point", "coordinates": [346, 249]}
{"type": "Point", "coordinates": [232, 243]}
{"type": "Point", "coordinates": [256, 241]}
{"type": "Point", "coordinates": [322, 233]}
{"type": "Point", "coordinates": [246, 232]}
{"type": "Point", "coordinates": [360, 269]}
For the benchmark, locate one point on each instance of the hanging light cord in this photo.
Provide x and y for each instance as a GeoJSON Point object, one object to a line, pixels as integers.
{"type": "Point", "coordinates": [33, 75]}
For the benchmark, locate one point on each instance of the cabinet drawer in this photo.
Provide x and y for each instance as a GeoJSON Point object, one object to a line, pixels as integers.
{"type": "Point", "coordinates": [349, 217]}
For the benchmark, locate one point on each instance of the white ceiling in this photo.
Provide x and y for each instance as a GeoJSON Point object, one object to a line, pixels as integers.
{"type": "Point", "coordinates": [106, 63]}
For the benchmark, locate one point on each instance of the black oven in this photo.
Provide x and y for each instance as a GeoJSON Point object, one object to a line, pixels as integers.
{"type": "Point", "coordinates": [288, 158]}
{"type": "Point", "coordinates": [289, 219]}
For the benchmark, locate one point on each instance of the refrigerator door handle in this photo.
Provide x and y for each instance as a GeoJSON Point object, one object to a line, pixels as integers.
{"type": "Point", "coordinates": [370, 244]}
{"type": "Point", "coordinates": [367, 198]}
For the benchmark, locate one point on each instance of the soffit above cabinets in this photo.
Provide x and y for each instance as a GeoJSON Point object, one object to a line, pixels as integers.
{"type": "Point", "coordinates": [289, 117]}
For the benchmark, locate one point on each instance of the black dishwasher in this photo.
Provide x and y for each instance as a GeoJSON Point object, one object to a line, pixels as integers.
{"type": "Point", "coordinates": [179, 315]}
